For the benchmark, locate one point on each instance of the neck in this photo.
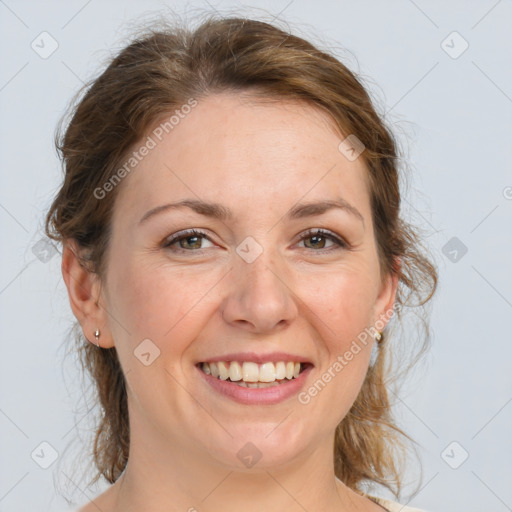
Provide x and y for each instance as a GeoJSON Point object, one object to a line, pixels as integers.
{"type": "Point", "coordinates": [166, 476]}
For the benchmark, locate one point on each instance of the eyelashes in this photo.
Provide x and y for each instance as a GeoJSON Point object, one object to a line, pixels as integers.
{"type": "Point", "coordinates": [185, 235]}
{"type": "Point", "coordinates": [198, 236]}
{"type": "Point", "coordinates": [322, 233]}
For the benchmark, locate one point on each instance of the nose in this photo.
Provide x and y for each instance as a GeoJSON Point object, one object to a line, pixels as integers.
{"type": "Point", "coordinates": [260, 298]}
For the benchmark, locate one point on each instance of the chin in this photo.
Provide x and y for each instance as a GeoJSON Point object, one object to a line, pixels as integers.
{"type": "Point", "coordinates": [264, 446]}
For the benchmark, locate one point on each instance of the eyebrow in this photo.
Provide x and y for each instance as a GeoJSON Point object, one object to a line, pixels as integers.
{"type": "Point", "coordinates": [218, 211]}
{"type": "Point", "coordinates": [214, 210]}
{"type": "Point", "coordinates": [302, 210]}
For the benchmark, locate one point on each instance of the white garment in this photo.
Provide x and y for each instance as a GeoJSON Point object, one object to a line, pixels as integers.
{"type": "Point", "coordinates": [393, 506]}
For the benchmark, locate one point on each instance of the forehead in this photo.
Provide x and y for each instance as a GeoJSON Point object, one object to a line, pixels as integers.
{"type": "Point", "coordinates": [250, 152]}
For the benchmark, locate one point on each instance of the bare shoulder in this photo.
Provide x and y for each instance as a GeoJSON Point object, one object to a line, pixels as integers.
{"type": "Point", "coordinates": [103, 502]}
{"type": "Point", "coordinates": [92, 506]}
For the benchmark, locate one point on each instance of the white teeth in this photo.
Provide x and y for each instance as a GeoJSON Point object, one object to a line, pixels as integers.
{"type": "Point", "coordinates": [223, 370]}
{"type": "Point", "coordinates": [268, 372]}
{"type": "Point", "coordinates": [290, 369]}
{"type": "Point", "coordinates": [235, 371]}
{"type": "Point", "coordinates": [214, 369]}
{"type": "Point", "coordinates": [280, 370]}
{"type": "Point", "coordinates": [248, 372]}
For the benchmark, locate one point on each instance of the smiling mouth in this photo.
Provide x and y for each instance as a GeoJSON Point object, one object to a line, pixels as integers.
{"type": "Point", "coordinates": [253, 375]}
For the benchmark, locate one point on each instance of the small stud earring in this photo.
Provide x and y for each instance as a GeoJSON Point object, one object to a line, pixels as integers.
{"type": "Point", "coordinates": [376, 348]}
{"type": "Point", "coordinates": [97, 337]}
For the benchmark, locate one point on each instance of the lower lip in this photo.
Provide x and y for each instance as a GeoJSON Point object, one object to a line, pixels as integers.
{"type": "Point", "coordinates": [257, 396]}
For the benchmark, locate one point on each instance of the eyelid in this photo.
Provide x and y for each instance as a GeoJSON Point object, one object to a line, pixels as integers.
{"type": "Point", "coordinates": [336, 239]}
{"type": "Point", "coordinates": [176, 237]}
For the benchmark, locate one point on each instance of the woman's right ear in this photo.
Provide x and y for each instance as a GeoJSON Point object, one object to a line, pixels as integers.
{"type": "Point", "coordinates": [84, 288]}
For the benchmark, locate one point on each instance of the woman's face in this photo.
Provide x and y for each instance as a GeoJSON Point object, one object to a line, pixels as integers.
{"type": "Point", "coordinates": [256, 285]}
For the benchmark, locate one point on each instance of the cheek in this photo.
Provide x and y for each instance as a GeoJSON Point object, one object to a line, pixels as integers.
{"type": "Point", "coordinates": [341, 313]}
{"type": "Point", "coordinates": [343, 303]}
{"type": "Point", "coordinates": [340, 307]}
{"type": "Point", "coordinates": [348, 311]}
{"type": "Point", "coordinates": [160, 303]}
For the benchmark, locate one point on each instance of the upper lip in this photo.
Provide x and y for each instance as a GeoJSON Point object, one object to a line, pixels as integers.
{"type": "Point", "coordinates": [253, 357]}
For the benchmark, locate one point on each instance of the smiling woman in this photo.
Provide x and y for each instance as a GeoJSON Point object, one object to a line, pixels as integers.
{"type": "Point", "coordinates": [237, 283]}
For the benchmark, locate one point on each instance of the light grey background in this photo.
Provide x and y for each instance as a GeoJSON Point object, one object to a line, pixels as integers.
{"type": "Point", "coordinates": [452, 114]}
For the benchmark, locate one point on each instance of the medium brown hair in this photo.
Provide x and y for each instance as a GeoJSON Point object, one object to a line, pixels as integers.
{"type": "Point", "coordinates": [162, 70]}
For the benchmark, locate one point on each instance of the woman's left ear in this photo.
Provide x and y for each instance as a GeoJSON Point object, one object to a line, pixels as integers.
{"type": "Point", "coordinates": [385, 303]}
